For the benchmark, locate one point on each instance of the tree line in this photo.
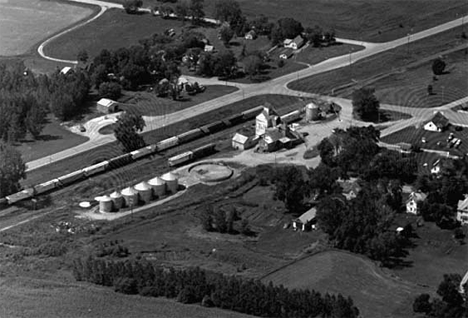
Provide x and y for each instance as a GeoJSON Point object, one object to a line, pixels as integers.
{"type": "Point", "coordinates": [194, 285]}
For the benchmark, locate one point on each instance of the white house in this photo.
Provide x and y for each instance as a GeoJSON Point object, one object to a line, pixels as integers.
{"type": "Point", "coordinates": [413, 200]}
{"type": "Point", "coordinates": [295, 43]}
{"type": "Point", "coordinates": [106, 106]}
{"type": "Point", "coordinates": [266, 119]}
{"type": "Point", "coordinates": [437, 124]}
{"type": "Point", "coordinates": [243, 142]}
{"type": "Point", "coordinates": [304, 222]}
{"type": "Point", "coordinates": [462, 211]}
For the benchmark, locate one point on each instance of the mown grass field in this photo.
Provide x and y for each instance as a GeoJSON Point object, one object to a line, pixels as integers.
{"type": "Point", "coordinates": [26, 22]}
{"type": "Point", "coordinates": [374, 291]}
{"type": "Point", "coordinates": [370, 70]}
{"type": "Point", "coordinates": [313, 55]}
{"type": "Point", "coordinates": [357, 19]}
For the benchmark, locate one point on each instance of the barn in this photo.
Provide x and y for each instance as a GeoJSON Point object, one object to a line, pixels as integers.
{"type": "Point", "coordinates": [107, 106]}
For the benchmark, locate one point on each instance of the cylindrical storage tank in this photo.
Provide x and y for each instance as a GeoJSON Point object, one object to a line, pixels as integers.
{"type": "Point", "coordinates": [312, 112]}
{"type": "Point", "coordinates": [117, 199]}
{"type": "Point", "coordinates": [144, 191]}
{"type": "Point", "coordinates": [172, 182]}
{"type": "Point", "coordinates": [105, 204]}
{"type": "Point", "coordinates": [130, 196]}
{"type": "Point", "coordinates": [159, 186]}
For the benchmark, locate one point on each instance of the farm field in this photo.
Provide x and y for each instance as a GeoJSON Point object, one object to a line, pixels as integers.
{"type": "Point", "coordinates": [357, 19]}
{"type": "Point", "coordinates": [414, 136]}
{"type": "Point", "coordinates": [370, 70]}
{"type": "Point", "coordinates": [54, 138]}
{"type": "Point", "coordinates": [26, 22]}
{"type": "Point", "coordinates": [374, 292]}
{"type": "Point", "coordinates": [113, 30]}
{"type": "Point", "coordinates": [410, 88]}
{"type": "Point", "coordinates": [148, 104]}
{"type": "Point", "coordinates": [282, 104]}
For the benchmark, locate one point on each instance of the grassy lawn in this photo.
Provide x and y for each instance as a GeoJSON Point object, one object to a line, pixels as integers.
{"type": "Point", "coordinates": [374, 292]}
{"type": "Point", "coordinates": [370, 70]}
{"type": "Point", "coordinates": [280, 102]}
{"type": "Point", "coordinates": [113, 30]}
{"type": "Point", "coordinates": [313, 55]}
{"type": "Point", "coordinates": [410, 88]}
{"type": "Point", "coordinates": [54, 138]}
{"type": "Point", "coordinates": [435, 254]}
{"type": "Point", "coordinates": [414, 135]}
{"type": "Point", "coordinates": [369, 20]}
{"type": "Point", "coordinates": [149, 104]}
{"type": "Point", "coordinates": [27, 22]}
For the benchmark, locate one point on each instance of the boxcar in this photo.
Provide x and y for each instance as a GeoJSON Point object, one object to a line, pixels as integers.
{"type": "Point", "coordinates": [94, 169]}
{"type": "Point", "coordinates": [180, 159]}
{"type": "Point", "coordinates": [71, 177]}
{"type": "Point", "coordinates": [167, 143]}
{"type": "Point", "coordinates": [120, 161]}
{"type": "Point", "coordinates": [190, 135]}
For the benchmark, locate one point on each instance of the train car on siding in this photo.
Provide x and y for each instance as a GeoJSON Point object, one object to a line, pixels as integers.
{"type": "Point", "coordinates": [167, 143]}
{"type": "Point", "coordinates": [95, 169]}
{"type": "Point", "coordinates": [71, 177]}
{"type": "Point", "coordinates": [190, 135]}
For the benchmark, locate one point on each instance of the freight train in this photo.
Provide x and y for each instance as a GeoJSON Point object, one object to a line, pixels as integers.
{"type": "Point", "coordinates": [125, 159]}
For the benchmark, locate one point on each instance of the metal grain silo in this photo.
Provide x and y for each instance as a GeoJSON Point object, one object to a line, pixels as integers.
{"type": "Point", "coordinates": [130, 196]}
{"type": "Point", "coordinates": [312, 112]}
{"type": "Point", "coordinates": [117, 199]}
{"type": "Point", "coordinates": [105, 204]}
{"type": "Point", "coordinates": [144, 191]}
{"type": "Point", "coordinates": [159, 186]}
{"type": "Point", "coordinates": [172, 182]}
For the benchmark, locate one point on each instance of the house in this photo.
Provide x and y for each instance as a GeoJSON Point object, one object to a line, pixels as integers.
{"type": "Point", "coordinates": [242, 141]}
{"type": "Point", "coordinates": [266, 119]}
{"type": "Point", "coordinates": [462, 211]}
{"type": "Point", "coordinates": [305, 221]}
{"type": "Point", "coordinates": [285, 54]}
{"type": "Point", "coordinates": [350, 188]}
{"type": "Point", "coordinates": [413, 200]}
{"type": "Point", "coordinates": [295, 43]}
{"type": "Point", "coordinates": [438, 123]}
{"type": "Point", "coordinates": [209, 48]}
{"type": "Point", "coordinates": [251, 35]}
{"type": "Point", "coordinates": [66, 70]}
{"type": "Point", "coordinates": [107, 106]}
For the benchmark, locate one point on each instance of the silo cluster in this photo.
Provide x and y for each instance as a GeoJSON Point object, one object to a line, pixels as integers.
{"type": "Point", "coordinates": [142, 193]}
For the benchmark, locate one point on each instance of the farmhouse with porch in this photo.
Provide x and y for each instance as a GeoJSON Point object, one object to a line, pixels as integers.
{"type": "Point", "coordinates": [413, 200]}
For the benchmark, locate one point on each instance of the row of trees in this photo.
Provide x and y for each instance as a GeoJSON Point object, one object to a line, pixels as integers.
{"type": "Point", "coordinates": [195, 285]}
{"type": "Point", "coordinates": [12, 169]}
{"type": "Point", "coordinates": [218, 220]}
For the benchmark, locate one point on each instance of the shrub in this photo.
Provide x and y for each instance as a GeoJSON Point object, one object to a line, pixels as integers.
{"type": "Point", "coordinates": [126, 285]}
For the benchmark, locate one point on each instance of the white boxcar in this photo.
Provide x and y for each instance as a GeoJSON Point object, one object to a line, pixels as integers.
{"type": "Point", "coordinates": [167, 143]}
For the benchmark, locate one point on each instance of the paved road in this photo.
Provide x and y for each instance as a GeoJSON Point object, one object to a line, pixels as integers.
{"type": "Point", "coordinates": [275, 86]}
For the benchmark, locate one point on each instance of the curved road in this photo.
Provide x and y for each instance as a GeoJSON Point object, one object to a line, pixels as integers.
{"type": "Point", "coordinates": [274, 86]}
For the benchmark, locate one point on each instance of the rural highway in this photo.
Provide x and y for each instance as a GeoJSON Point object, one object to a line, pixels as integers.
{"type": "Point", "coordinates": [274, 86]}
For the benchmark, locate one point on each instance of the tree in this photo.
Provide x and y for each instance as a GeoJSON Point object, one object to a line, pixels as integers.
{"type": "Point", "coordinates": [196, 10]}
{"type": "Point", "coordinates": [252, 65]}
{"type": "Point", "coordinates": [110, 90]}
{"type": "Point", "coordinates": [438, 66]}
{"type": "Point", "coordinates": [422, 304]}
{"type": "Point", "coordinates": [99, 75]}
{"type": "Point", "coordinates": [286, 28]}
{"type": "Point", "coordinates": [314, 35]}
{"type": "Point", "coordinates": [290, 187]}
{"type": "Point", "coordinates": [182, 10]}
{"type": "Point", "coordinates": [226, 34]}
{"type": "Point", "coordinates": [132, 6]}
{"type": "Point", "coordinates": [365, 104]}
{"type": "Point", "coordinates": [82, 56]}
{"type": "Point", "coordinates": [430, 90]}
{"type": "Point", "coordinates": [224, 64]}
{"type": "Point", "coordinates": [229, 11]}
{"type": "Point", "coordinates": [12, 169]}
{"type": "Point", "coordinates": [126, 131]}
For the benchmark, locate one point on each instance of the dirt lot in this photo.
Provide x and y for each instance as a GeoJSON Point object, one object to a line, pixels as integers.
{"type": "Point", "coordinates": [372, 289]}
{"type": "Point", "coordinates": [26, 22]}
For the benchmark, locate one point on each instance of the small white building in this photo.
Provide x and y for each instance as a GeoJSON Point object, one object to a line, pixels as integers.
{"type": "Point", "coordinates": [243, 142]}
{"type": "Point", "coordinates": [304, 222]}
{"type": "Point", "coordinates": [438, 123]}
{"type": "Point", "coordinates": [436, 167]}
{"type": "Point", "coordinates": [462, 211]}
{"type": "Point", "coordinates": [107, 106]}
{"type": "Point", "coordinates": [413, 200]}
{"type": "Point", "coordinates": [295, 43]}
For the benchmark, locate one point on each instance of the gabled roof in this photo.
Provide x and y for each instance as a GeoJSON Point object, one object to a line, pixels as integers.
{"type": "Point", "coordinates": [298, 39]}
{"type": "Point", "coordinates": [417, 197]}
{"type": "Point", "coordinates": [106, 102]}
{"type": "Point", "coordinates": [272, 135]}
{"type": "Point", "coordinates": [240, 138]}
{"type": "Point", "coordinates": [307, 216]}
{"type": "Point", "coordinates": [267, 112]}
{"type": "Point", "coordinates": [439, 120]}
{"type": "Point", "coordinates": [463, 205]}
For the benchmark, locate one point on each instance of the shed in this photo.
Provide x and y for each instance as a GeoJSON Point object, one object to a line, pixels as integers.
{"type": "Point", "coordinates": [305, 221]}
{"type": "Point", "coordinates": [144, 191]}
{"type": "Point", "coordinates": [438, 123]}
{"type": "Point", "coordinates": [117, 199]}
{"type": "Point", "coordinates": [243, 142]}
{"type": "Point", "coordinates": [66, 70]}
{"type": "Point", "coordinates": [106, 106]}
{"type": "Point", "coordinates": [209, 48]}
{"type": "Point", "coordinates": [159, 186]}
{"type": "Point", "coordinates": [172, 182]}
{"type": "Point", "coordinates": [413, 200]}
{"type": "Point", "coordinates": [130, 196]}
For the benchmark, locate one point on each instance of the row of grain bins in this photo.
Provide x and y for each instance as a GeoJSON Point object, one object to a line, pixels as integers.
{"type": "Point", "coordinates": [142, 193]}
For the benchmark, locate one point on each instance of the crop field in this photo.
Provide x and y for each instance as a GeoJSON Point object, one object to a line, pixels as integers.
{"type": "Point", "coordinates": [113, 30]}
{"type": "Point", "coordinates": [369, 20]}
{"type": "Point", "coordinates": [26, 22]}
{"type": "Point", "coordinates": [414, 136]}
{"type": "Point", "coordinates": [374, 291]}
{"type": "Point", "coordinates": [390, 63]}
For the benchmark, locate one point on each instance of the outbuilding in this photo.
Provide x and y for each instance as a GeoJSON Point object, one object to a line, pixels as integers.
{"type": "Point", "coordinates": [414, 199]}
{"type": "Point", "coordinates": [462, 211]}
{"type": "Point", "coordinates": [107, 106]}
{"type": "Point", "coordinates": [243, 142]}
{"type": "Point", "coordinates": [305, 221]}
{"type": "Point", "coordinates": [438, 123]}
